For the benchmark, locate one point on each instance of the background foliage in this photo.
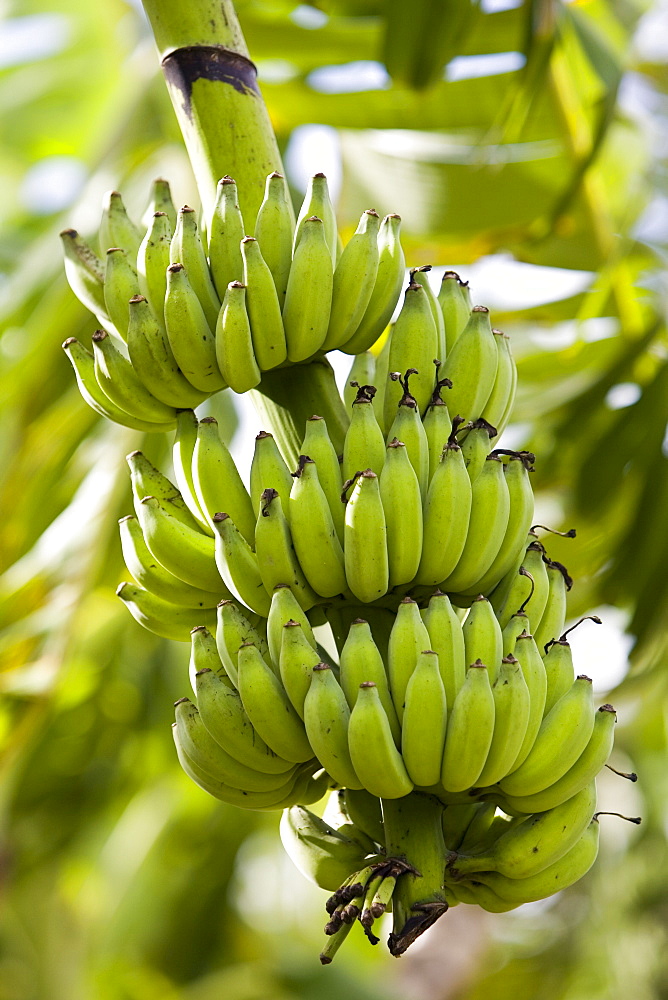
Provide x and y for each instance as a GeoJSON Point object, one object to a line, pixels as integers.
{"type": "Point", "coordinates": [121, 880]}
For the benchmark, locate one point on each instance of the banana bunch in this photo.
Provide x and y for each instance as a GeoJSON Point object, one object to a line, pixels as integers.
{"type": "Point", "coordinates": [188, 310]}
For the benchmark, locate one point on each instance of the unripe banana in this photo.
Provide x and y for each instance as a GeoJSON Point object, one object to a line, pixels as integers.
{"type": "Point", "coordinates": [590, 762]}
{"type": "Point", "coordinates": [238, 565]}
{"type": "Point", "coordinates": [505, 344]}
{"type": "Point", "coordinates": [317, 202]}
{"type": "Point", "coordinates": [274, 231]}
{"type": "Point", "coordinates": [475, 446]}
{"type": "Point", "coordinates": [386, 289]}
{"type": "Point", "coordinates": [160, 200]}
{"type": "Point", "coordinates": [437, 427]}
{"type": "Point", "coordinates": [225, 718]}
{"type": "Point", "coordinates": [407, 427]}
{"type": "Point", "coordinates": [163, 617]}
{"type": "Point", "coordinates": [530, 847]}
{"type": "Point", "coordinates": [353, 282]}
{"type": "Point", "coordinates": [297, 660]}
{"type": "Point", "coordinates": [191, 339]}
{"type": "Point", "coordinates": [217, 482]}
{"type": "Point", "coordinates": [153, 359]}
{"type": "Point", "coordinates": [326, 717]}
{"type": "Point", "coordinates": [284, 608]}
{"type": "Point", "coordinates": [447, 640]}
{"type": "Point", "coordinates": [471, 366]}
{"type": "Point", "coordinates": [275, 552]}
{"type": "Point", "coordinates": [413, 344]}
{"type": "Point", "coordinates": [480, 830]}
{"type": "Point", "coordinates": [309, 293]}
{"type": "Point", "coordinates": [204, 656]}
{"type": "Point", "coordinates": [512, 708]}
{"type": "Point", "coordinates": [152, 263]}
{"type": "Point", "coordinates": [377, 762]}
{"type": "Point", "coordinates": [119, 382]}
{"type": "Point", "coordinates": [365, 533]}
{"type": "Point", "coordinates": [116, 228]}
{"type": "Point", "coordinates": [84, 369]}
{"type": "Point", "coordinates": [146, 480]}
{"type": "Point", "coordinates": [500, 402]}
{"type": "Point", "coordinates": [234, 342]}
{"type": "Point", "coordinates": [268, 707]}
{"type": "Point", "coordinates": [186, 248]}
{"type": "Point", "coordinates": [184, 551]}
{"type": "Point", "coordinates": [263, 307]}
{"type": "Point", "coordinates": [226, 232]}
{"type": "Point", "coordinates": [477, 894]}
{"type": "Point", "coordinates": [424, 721]}
{"type": "Point", "coordinates": [455, 304]}
{"type": "Point", "coordinates": [421, 276]}
{"type": "Point", "coordinates": [182, 460]}
{"type": "Point", "coordinates": [402, 504]}
{"type": "Point", "coordinates": [559, 671]}
{"type": "Point", "coordinates": [447, 512]}
{"type": "Point", "coordinates": [380, 379]}
{"type": "Point", "coordinates": [553, 619]}
{"type": "Point", "coordinates": [233, 629]}
{"type": "Point", "coordinates": [527, 590]}
{"type": "Point", "coordinates": [120, 285]}
{"type": "Point", "coordinates": [362, 372]}
{"type": "Point", "coordinates": [364, 444]}
{"type": "Point", "coordinates": [268, 471]}
{"type": "Point", "coordinates": [318, 446]}
{"type": "Point", "coordinates": [563, 735]}
{"type": "Point", "coordinates": [150, 575]}
{"type": "Point", "coordinates": [456, 820]}
{"type": "Point", "coordinates": [482, 637]}
{"type": "Point", "coordinates": [533, 670]}
{"type": "Point", "coordinates": [364, 811]}
{"type": "Point", "coordinates": [85, 272]}
{"type": "Point", "coordinates": [361, 661]}
{"type": "Point", "coordinates": [408, 638]}
{"type": "Point", "coordinates": [518, 623]}
{"type": "Point", "coordinates": [321, 853]}
{"type": "Point", "coordinates": [490, 512]}
{"type": "Point", "coordinates": [314, 534]}
{"type": "Point", "coordinates": [470, 731]}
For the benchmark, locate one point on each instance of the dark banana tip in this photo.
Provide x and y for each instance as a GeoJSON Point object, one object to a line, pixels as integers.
{"type": "Point", "coordinates": [182, 701]}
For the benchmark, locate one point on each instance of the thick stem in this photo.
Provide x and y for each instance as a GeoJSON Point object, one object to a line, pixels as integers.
{"type": "Point", "coordinates": [287, 397]}
{"type": "Point", "coordinates": [413, 832]}
{"type": "Point", "coordinates": [213, 86]}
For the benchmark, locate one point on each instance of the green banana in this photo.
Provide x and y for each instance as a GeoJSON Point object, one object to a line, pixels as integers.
{"type": "Point", "coordinates": [490, 513]}
{"type": "Point", "coordinates": [150, 575]}
{"type": "Point", "coordinates": [386, 289]}
{"type": "Point", "coordinates": [233, 629]}
{"type": "Point", "coordinates": [218, 485]}
{"type": "Point", "coordinates": [284, 608]}
{"type": "Point", "coordinates": [160, 200]}
{"type": "Point", "coordinates": [552, 621]}
{"type": "Point", "coordinates": [528, 588]}
{"type": "Point", "coordinates": [318, 446]}
{"type": "Point", "coordinates": [481, 828]}
{"type": "Point", "coordinates": [204, 656]}
{"type": "Point", "coordinates": [482, 637]}
{"type": "Point", "coordinates": [268, 471]}
{"type": "Point", "coordinates": [361, 661]}
{"type": "Point", "coordinates": [471, 366]}
{"type": "Point", "coordinates": [470, 731]}
{"type": "Point", "coordinates": [226, 232]}
{"type": "Point", "coordinates": [380, 378]}
{"type": "Point", "coordinates": [153, 359]}
{"type": "Point", "coordinates": [146, 480]}
{"type": "Point", "coordinates": [120, 285]}
{"type": "Point", "coordinates": [455, 304]}
{"type": "Point", "coordinates": [364, 444]}
{"type": "Point", "coordinates": [353, 281]}
{"type": "Point", "coordinates": [186, 249]}
{"type": "Point", "coordinates": [317, 202]}
{"type": "Point", "coordinates": [183, 551]}
{"type": "Point", "coordinates": [421, 276]}
{"type": "Point", "coordinates": [563, 735]}
{"type": "Point", "coordinates": [518, 623]}
{"type": "Point", "coordinates": [505, 344]}
{"type": "Point", "coordinates": [274, 231]}
{"type": "Point", "coordinates": [408, 638]}
{"type": "Point", "coordinates": [238, 565]}
{"type": "Point", "coordinates": [413, 344]}
{"type": "Point", "coordinates": [163, 617]}
{"type": "Point", "coordinates": [225, 718]}
{"type": "Point", "coordinates": [116, 228]}
{"type": "Point", "coordinates": [362, 372]}
{"type": "Point", "coordinates": [456, 820]}
{"type": "Point", "coordinates": [590, 762]}
{"type": "Point", "coordinates": [84, 272]}
{"type": "Point", "coordinates": [437, 426]}
{"type": "Point", "coordinates": [559, 671]}
{"type": "Point", "coordinates": [475, 446]}
{"type": "Point", "coordinates": [501, 399]}
{"type": "Point", "coordinates": [533, 670]}
{"type": "Point", "coordinates": [447, 640]}
{"type": "Point", "coordinates": [326, 718]}
{"type": "Point", "coordinates": [314, 533]}
{"type": "Point", "coordinates": [297, 660]}
{"type": "Point", "coordinates": [364, 811]}
{"type": "Point", "coordinates": [263, 307]}
{"type": "Point", "coordinates": [190, 336]}
{"type": "Point", "coordinates": [424, 721]}
{"type": "Point", "coordinates": [512, 707]}
{"type": "Point", "coordinates": [268, 707]}
{"type": "Point", "coordinates": [365, 548]}
{"type": "Point", "coordinates": [308, 298]}
{"type": "Point", "coordinates": [235, 355]}
{"type": "Point", "coordinates": [182, 460]}
{"type": "Point", "coordinates": [402, 505]}
{"type": "Point", "coordinates": [407, 427]}
{"type": "Point", "coordinates": [320, 852]}
{"type": "Point", "coordinates": [377, 762]}
{"type": "Point", "coordinates": [152, 262]}
{"type": "Point", "coordinates": [119, 382]}
{"type": "Point", "coordinates": [275, 552]}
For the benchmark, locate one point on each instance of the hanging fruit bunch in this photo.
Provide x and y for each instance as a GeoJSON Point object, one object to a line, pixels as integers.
{"type": "Point", "coordinates": [376, 619]}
